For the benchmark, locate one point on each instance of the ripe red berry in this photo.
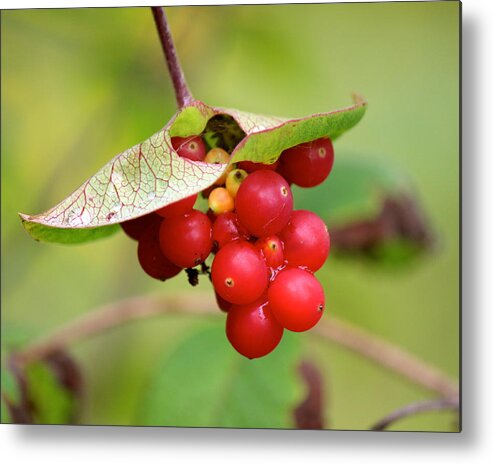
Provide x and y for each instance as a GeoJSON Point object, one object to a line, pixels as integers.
{"type": "Point", "coordinates": [308, 164]}
{"type": "Point", "coordinates": [239, 274]}
{"type": "Point", "coordinates": [250, 166]}
{"type": "Point", "coordinates": [178, 208]}
{"type": "Point", "coordinates": [296, 299]}
{"type": "Point", "coordinates": [151, 258]}
{"type": "Point", "coordinates": [252, 330]}
{"type": "Point", "coordinates": [186, 240]}
{"type": "Point", "coordinates": [264, 203]}
{"type": "Point", "coordinates": [226, 228]}
{"type": "Point", "coordinates": [192, 148]}
{"type": "Point", "coordinates": [272, 250]}
{"type": "Point", "coordinates": [136, 227]}
{"type": "Point", "coordinates": [306, 240]}
{"type": "Point", "coordinates": [222, 304]}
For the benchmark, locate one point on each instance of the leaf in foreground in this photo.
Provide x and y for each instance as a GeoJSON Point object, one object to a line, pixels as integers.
{"type": "Point", "coordinates": [151, 175]}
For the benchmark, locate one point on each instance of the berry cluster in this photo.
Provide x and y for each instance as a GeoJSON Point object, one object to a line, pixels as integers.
{"type": "Point", "coordinates": [265, 253]}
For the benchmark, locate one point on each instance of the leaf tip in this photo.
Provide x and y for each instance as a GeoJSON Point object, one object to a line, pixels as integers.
{"type": "Point", "coordinates": [358, 99]}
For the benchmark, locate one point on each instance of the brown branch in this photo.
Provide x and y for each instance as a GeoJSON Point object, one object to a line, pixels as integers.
{"type": "Point", "coordinates": [182, 92]}
{"type": "Point", "coordinates": [332, 329]}
{"type": "Point", "coordinates": [115, 315]}
{"type": "Point", "coordinates": [414, 408]}
{"type": "Point", "coordinates": [388, 355]}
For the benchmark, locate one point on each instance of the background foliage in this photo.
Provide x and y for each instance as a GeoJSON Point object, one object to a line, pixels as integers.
{"type": "Point", "coordinates": [81, 85]}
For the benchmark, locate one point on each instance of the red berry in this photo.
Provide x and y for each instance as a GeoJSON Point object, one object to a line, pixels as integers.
{"type": "Point", "coordinates": [296, 299]}
{"type": "Point", "coordinates": [226, 228]}
{"type": "Point", "coordinates": [151, 258]}
{"type": "Point", "coordinates": [239, 274]}
{"type": "Point", "coordinates": [306, 240]}
{"type": "Point", "coordinates": [178, 208]}
{"type": "Point", "coordinates": [272, 250]}
{"type": "Point", "coordinates": [250, 166]}
{"type": "Point", "coordinates": [308, 164]}
{"type": "Point", "coordinates": [134, 228]}
{"type": "Point", "coordinates": [192, 148]}
{"type": "Point", "coordinates": [264, 203]}
{"type": "Point", "coordinates": [222, 304]}
{"type": "Point", "coordinates": [252, 330]}
{"type": "Point", "coordinates": [186, 240]}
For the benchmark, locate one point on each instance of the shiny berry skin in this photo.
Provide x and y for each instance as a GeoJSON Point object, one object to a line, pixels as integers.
{"type": "Point", "coordinates": [186, 240]}
{"type": "Point", "coordinates": [226, 228]}
{"type": "Point", "coordinates": [306, 240]}
{"type": "Point", "coordinates": [234, 180]}
{"type": "Point", "coordinates": [220, 201]}
{"type": "Point", "coordinates": [134, 228]}
{"type": "Point", "coordinates": [252, 330]}
{"type": "Point", "coordinates": [219, 156]}
{"type": "Point", "coordinates": [239, 274]}
{"type": "Point", "coordinates": [151, 258]}
{"type": "Point", "coordinates": [178, 208]}
{"type": "Point", "coordinates": [271, 248]}
{"type": "Point", "coordinates": [296, 299]}
{"type": "Point", "coordinates": [192, 148]}
{"type": "Point", "coordinates": [264, 203]}
{"type": "Point", "coordinates": [250, 166]}
{"type": "Point", "coordinates": [308, 164]}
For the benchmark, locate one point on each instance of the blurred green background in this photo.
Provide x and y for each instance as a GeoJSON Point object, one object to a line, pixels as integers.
{"type": "Point", "coordinates": [79, 86]}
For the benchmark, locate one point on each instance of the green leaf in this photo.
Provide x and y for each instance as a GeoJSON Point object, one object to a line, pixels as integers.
{"type": "Point", "coordinates": [151, 175]}
{"type": "Point", "coordinates": [9, 388]}
{"type": "Point", "coordinates": [205, 383]}
{"type": "Point", "coordinates": [53, 404]}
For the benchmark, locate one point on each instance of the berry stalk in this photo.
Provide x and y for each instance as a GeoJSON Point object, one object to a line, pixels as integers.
{"type": "Point", "coordinates": [182, 92]}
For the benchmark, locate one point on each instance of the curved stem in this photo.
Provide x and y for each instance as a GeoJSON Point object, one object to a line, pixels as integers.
{"type": "Point", "coordinates": [389, 356]}
{"type": "Point", "coordinates": [182, 92]}
{"type": "Point", "coordinates": [334, 330]}
{"type": "Point", "coordinates": [414, 408]}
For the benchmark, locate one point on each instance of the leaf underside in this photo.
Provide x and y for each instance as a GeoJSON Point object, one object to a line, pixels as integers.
{"type": "Point", "coordinates": [151, 175]}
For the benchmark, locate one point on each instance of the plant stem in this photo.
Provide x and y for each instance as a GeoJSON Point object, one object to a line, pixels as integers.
{"type": "Point", "coordinates": [182, 92]}
{"type": "Point", "coordinates": [414, 408]}
{"type": "Point", "coordinates": [334, 330]}
{"type": "Point", "coordinates": [388, 355]}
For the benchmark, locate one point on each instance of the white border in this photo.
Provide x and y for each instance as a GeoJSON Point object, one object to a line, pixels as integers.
{"type": "Point", "coordinates": [474, 445]}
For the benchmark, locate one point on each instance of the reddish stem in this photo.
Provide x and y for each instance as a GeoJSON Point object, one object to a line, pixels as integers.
{"type": "Point", "coordinates": [182, 92]}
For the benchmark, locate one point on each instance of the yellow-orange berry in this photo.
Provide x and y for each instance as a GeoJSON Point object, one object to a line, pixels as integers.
{"type": "Point", "coordinates": [221, 201]}
{"type": "Point", "coordinates": [219, 156]}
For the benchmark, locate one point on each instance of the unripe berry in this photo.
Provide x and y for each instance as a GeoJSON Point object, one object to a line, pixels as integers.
{"type": "Point", "coordinates": [296, 299]}
{"type": "Point", "coordinates": [226, 228]}
{"type": "Point", "coordinates": [239, 274]}
{"type": "Point", "coordinates": [151, 258]}
{"type": "Point", "coordinates": [306, 240]}
{"type": "Point", "coordinates": [308, 164]}
{"type": "Point", "coordinates": [186, 240]}
{"type": "Point", "coordinates": [234, 180]}
{"type": "Point", "coordinates": [178, 208]}
{"type": "Point", "coordinates": [272, 250]}
{"type": "Point", "coordinates": [252, 330]}
{"type": "Point", "coordinates": [192, 148]}
{"type": "Point", "coordinates": [220, 201]}
{"type": "Point", "coordinates": [264, 203]}
{"type": "Point", "coordinates": [134, 228]}
{"type": "Point", "coordinates": [219, 156]}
